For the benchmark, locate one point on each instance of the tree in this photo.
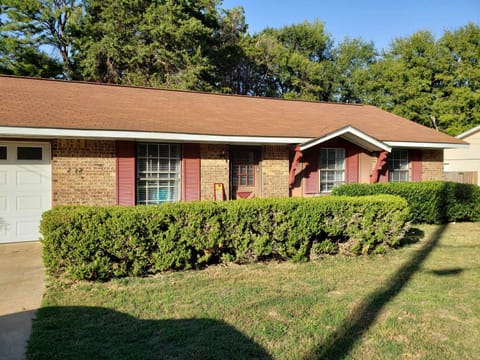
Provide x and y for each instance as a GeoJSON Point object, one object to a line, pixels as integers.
{"type": "Point", "coordinates": [25, 60]}
{"type": "Point", "coordinates": [234, 56]}
{"type": "Point", "coordinates": [403, 80]}
{"type": "Point", "coordinates": [31, 26]}
{"type": "Point", "coordinates": [297, 61]}
{"type": "Point", "coordinates": [353, 59]}
{"type": "Point", "coordinates": [457, 107]}
{"type": "Point", "coordinates": [433, 82]}
{"type": "Point", "coordinates": [148, 42]}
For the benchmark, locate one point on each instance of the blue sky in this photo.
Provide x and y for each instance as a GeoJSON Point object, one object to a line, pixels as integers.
{"type": "Point", "coordinates": [379, 21]}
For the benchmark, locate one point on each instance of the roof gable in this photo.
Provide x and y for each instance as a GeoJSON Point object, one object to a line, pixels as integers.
{"type": "Point", "coordinates": [352, 135]}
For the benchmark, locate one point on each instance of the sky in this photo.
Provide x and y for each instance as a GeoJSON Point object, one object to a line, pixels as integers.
{"type": "Point", "coordinates": [380, 21]}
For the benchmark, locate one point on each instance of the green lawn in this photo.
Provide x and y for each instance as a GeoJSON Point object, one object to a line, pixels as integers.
{"type": "Point", "coordinates": [418, 302]}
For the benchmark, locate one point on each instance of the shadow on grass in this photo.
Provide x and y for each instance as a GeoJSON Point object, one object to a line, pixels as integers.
{"type": "Point", "coordinates": [413, 236]}
{"type": "Point", "coordinates": [447, 272]}
{"type": "Point", "coordinates": [100, 333]}
{"type": "Point", "coordinates": [339, 344]}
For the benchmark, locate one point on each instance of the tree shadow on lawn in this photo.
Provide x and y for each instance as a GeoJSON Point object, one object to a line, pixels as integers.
{"type": "Point", "coordinates": [340, 343]}
{"type": "Point", "coordinates": [100, 333]}
{"type": "Point", "coordinates": [413, 236]}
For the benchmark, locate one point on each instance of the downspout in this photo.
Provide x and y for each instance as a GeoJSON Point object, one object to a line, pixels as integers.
{"type": "Point", "coordinates": [381, 162]}
{"type": "Point", "coordinates": [293, 169]}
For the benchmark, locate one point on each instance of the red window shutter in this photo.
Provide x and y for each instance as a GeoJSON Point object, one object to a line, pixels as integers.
{"type": "Point", "coordinates": [312, 181]}
{"type": "Point", "coordinates": [191, 172]}
{"type": "Point", "coordinates": [416, 161]}
{"type": "Point", "coordinates": [351, 154]}
{"type": "Point", "coordinates": [125, 173]}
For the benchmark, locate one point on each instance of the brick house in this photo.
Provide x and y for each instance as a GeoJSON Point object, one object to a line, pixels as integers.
{"type": "Point", "coordinates": [82, 143]}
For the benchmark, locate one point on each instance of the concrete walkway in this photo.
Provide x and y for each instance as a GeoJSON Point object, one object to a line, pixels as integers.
{"type": "Point", "coordinates": [22, 284]}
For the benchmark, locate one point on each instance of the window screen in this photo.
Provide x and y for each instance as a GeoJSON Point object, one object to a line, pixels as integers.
{"type": "Point", "coordinates": [398, 166]}
{"type": "Point", "coordinates": [331, 168]}
{"type": "Point", "coordinates": [158, 173]}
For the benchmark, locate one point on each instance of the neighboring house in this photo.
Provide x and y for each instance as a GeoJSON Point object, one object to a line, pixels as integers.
{"type": "Point", "coordinates": [81, 143]}
{"type": "Point", "coordinates": [463, 164]}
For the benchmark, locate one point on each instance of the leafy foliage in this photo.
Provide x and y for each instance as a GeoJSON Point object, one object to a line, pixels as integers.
{"type": "Point", "coordinates": [147, 43]}
{"type": "Point", "coordinates": [433, 82]}
{"type": "Point", "coordinates": [29, 27]}
{"type": "Point", "coordinates": [98, 243]}
{"type": "Point", "coordinates": [430, 202]}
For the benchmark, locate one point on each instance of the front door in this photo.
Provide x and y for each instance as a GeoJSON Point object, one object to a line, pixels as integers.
{"type": "Point", "coordinates": [244, 172]}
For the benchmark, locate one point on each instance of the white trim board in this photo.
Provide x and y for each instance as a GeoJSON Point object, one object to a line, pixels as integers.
{"type": "Point", "coordinates": [143, 135]}
{"type": "Point", "coordinates": [425, 145]}
{"type": "Point", "coordinates": [51, 133]}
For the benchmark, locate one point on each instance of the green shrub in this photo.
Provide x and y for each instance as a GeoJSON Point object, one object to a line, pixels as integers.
{"type": "Point", "coordinates": [99, 243]}
{"type": "Point", "coordinates": [430, 202]}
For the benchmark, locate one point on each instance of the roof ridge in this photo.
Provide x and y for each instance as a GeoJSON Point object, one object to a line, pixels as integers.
{"type": "Point", "coordinates": [83, 82]}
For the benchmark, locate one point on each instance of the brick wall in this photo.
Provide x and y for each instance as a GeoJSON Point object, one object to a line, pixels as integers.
{"type": "Point", "coordinates": [83, 172]}
{"type": "Point", "coordinates": [214, 169]}
{"type": "Point", "coordinates": [275, 171]}
{"type": "Point", "coordinates": [432, 165]}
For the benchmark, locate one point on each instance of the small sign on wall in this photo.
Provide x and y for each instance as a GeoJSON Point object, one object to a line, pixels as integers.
{"type": "Point", "coordinates": [218, 191]}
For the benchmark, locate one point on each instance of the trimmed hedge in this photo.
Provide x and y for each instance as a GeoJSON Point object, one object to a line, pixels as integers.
{"type": "Point", "coordinates": [99, 243]}
{"type": "Point", "coordinates": [430, 202]}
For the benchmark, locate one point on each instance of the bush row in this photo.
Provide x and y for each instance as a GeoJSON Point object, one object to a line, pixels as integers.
{"type": "Point", "coordinates": [99, 243]}
{"type": "Point", "coordinates": [432, 202]}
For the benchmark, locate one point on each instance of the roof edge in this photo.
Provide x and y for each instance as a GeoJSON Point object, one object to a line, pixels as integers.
{"type": "Point", "coordinates": [468, 132]}
{"type": "Point", "coordinates": [426, 145]}
{"type": "Point", "coordinates": [31, 132]}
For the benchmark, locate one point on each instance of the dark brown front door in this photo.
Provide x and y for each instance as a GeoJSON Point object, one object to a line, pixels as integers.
{"type": "Point", "coordinates": [244, 172]}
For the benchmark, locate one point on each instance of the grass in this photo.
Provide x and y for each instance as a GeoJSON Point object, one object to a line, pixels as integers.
{"type": "Point", "coordinates": [417, 302]}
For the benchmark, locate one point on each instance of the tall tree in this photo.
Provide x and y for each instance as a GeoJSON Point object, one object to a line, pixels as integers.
{"type": "Point", "coordinates": [232, 65]}
{"type": "Point", "coordinates": [148, 42]}
{"type": "Point", "coordinates": [457, 106]}
{"type": "Point", "coordinates": [33, 27]}
{"type": "Point", "coordinates": [298, 61]}
{"type": "Point", "coordinates": [353, 59]}
{"type": "Point", "coordinates": [433, 82]}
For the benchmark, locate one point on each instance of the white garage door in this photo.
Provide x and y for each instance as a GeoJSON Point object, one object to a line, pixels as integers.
{"type": "Point", "coordinates": [25, 189]}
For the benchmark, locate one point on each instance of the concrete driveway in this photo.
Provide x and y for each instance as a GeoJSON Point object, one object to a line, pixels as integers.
{"type": "Point", "coordinates": [22, 283]}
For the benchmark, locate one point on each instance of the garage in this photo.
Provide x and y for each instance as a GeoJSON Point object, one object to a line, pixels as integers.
{"type": "Point", "coordinates": [25, 189]}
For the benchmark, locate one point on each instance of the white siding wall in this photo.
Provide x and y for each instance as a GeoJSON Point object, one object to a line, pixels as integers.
{"type": "Point", "coordinates": [465, 159]}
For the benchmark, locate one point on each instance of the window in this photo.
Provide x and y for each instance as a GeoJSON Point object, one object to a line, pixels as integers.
{"type": "Point", "coordinates": [158, 173]}
{"type": "Point", "coordinates": [3, 153]}
{"type": "Point", "coordinates": [398, 166]}
{"type": "Point", "coordinates": [243, 168]}
{"type": "Point", "coordinates": [29, 153]}
{"type": "Point", "coordinates": [331, 168]}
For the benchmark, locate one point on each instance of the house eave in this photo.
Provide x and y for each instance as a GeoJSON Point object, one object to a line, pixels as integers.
{"type": "Point", "coordinates": [51, 133]}
{"type": "Point", "coordinates": [425, 145]}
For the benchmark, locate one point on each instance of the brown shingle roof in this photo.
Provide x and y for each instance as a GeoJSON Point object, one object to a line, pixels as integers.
{"type": "Point", "coordinates": [27, 102]}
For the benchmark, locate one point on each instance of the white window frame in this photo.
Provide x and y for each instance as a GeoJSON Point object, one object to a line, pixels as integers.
{"type": "Point", "coordinates": [398, 166]}
{"type": "Point", "coordinates": [331, 174]}
{"type": "Point", "coordinates": [158, 174]}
